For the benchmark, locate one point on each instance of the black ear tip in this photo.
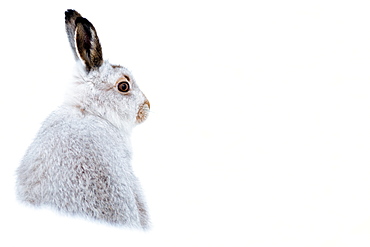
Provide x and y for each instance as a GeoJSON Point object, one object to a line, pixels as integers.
{"type": "Point", "coordinates": [70, 13]}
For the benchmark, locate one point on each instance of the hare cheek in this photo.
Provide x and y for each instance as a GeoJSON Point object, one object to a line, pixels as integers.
{"type": "Point", "coordinates": [143, 112]}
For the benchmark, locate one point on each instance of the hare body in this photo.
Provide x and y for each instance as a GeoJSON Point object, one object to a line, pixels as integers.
{"type": "Point", "coordinates": [80, 160]}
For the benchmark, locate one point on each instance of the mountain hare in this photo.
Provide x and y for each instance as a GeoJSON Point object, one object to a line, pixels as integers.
{"type": "Point", "coordinates": [80, 160]}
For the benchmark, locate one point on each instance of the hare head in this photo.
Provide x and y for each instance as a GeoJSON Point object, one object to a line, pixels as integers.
{"type": "Point", "coordinates": [100, 88]}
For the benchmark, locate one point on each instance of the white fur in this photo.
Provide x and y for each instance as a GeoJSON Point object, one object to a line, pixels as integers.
{"type": "Point", "coordinates": [80, 160]}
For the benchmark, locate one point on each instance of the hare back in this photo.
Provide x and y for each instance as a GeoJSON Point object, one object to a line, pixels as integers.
{"type": "Point", "coordinates": [81, 165]}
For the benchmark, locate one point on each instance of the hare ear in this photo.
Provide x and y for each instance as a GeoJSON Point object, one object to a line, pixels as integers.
{"type": "Point", "coordinates": [70, 19]}
{"type": "Point", "coordinates": [87, 44]}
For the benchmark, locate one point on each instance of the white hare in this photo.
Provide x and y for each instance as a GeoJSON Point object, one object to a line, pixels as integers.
{"type": "Point", "coordinates": [80, 160]}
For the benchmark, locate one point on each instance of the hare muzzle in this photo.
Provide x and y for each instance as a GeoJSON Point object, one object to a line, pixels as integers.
{"type": "Point", "coordinates": [143, 112]}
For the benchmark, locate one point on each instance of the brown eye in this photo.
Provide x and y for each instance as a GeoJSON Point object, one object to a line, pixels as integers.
{"type": "Point", "coordinates": [123, 87]}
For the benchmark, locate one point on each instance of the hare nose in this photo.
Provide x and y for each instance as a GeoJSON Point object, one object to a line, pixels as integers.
{"type": "Point", "coordinates": [146, 102]}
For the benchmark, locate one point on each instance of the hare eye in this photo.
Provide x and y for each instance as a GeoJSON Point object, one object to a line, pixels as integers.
{"type": "Point", "coordinates": [123, 87]}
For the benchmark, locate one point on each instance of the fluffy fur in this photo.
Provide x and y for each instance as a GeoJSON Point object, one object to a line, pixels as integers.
{"type": "Point", "coordinates": [80, 160]}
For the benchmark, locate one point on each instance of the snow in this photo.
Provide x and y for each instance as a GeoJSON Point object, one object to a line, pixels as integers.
{"type": "Point", "coordinates": [259, 131]}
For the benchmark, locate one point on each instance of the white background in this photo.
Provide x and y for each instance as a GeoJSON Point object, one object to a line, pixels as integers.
{"type": "Point", "coordinates": [259, 133]}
